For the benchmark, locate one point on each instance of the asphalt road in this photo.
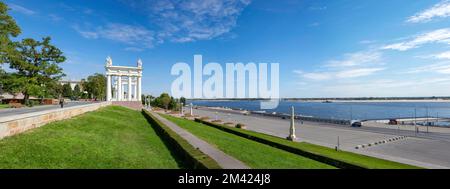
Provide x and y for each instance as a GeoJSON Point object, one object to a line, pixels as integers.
{"type": "Point", "coordinates": [431, 150]}
{"type": "Point", "coordinates": [17, 111]}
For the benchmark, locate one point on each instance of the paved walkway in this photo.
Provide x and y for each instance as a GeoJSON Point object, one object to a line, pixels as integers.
{"type": "Point", "coordinates": [224, 160]}
{"type": "Point", "coordinates": [16, 111]}
{"type": "Point", "coordinates": [430, 152]}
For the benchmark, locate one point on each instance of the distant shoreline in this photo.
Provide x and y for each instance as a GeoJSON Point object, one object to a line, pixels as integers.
{"type": "Point", "coordinates": [334, 100]}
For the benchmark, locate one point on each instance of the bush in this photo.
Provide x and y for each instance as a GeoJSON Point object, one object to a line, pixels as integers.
{"type": "Point", "coordinates": [15, 105]}
{"type": "Point", "coordinates": [204, 118]}
{"type": "Point", "coordinates": [216, 121]}
{"type": "Point", "coordinates": [240, 126]}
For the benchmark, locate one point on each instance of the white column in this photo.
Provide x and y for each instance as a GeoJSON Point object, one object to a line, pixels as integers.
{"type": "Point", "coordinates": [135, 90]}
{"type": "Point", "coordinates": [119, 88]}
{"type": "Point", "coordinates": [108, 88]}
{"type": "Point", "coordinates": [292, 128]}
{"type": "Point", "coordinates": [139, 88]}
{"type": "Point", "coordinates": [129, 88]}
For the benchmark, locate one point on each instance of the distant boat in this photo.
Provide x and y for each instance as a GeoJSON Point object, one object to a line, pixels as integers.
{"type": "Point", "coordinates": [326, 101]}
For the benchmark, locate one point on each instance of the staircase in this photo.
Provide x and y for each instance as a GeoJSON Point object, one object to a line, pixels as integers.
{"type": "Point", "coordinates": [135, 105]}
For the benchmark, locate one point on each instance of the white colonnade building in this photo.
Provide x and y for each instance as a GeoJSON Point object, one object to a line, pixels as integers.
{"type": "Point", "coordinates": [123, 82]}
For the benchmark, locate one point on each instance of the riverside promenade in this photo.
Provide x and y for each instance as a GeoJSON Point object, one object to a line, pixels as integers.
{"type": "Point", "coordinates": [429, 150]}
{"type": "Point", "coordinates": [17, 111]}
{"type": "Point", "coordinates": [224, 160]}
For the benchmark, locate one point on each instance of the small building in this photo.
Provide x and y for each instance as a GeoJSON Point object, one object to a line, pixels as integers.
{"type": "Point", "coordinates": [72, 83]}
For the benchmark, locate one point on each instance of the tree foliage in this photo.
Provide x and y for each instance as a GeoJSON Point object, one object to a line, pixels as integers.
{"type": "Point", "coordinates": [67, 91]}
{"type": "Point", "coordinates": [36, 64]}
{"type": "Point", "coordinates": [166, 101]}
{"type": "Point", "coordinates": [96, 86]}
{"type": "Point", "coordinates": [8, 29]}
{"type": "Point", "coordinates": [76, 93]}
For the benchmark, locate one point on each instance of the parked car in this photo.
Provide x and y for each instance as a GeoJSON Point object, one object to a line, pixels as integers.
{"type": "Point", "coordinates": [356, 124]}
{"type": "Point", "coordinates": [393, 122]}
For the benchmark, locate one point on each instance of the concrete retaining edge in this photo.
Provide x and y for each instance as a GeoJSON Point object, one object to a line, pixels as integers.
{"type": "Point", "coordinates": [12, 125]}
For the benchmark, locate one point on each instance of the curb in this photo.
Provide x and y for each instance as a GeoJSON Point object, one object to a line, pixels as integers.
{"type": "Point", "coordinates": [380, 142]}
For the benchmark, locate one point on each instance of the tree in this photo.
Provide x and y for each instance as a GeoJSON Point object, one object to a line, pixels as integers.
{"type": "Point", "coordinates": [143, 100]}
{"type": "Point", "coordinates": [165, 100]}
{"type": "Point", "coordinates": [76, 92]}
{"type": "Point", "coordinates": [8, 28]}
{"type": "Point", "coordinates": [53, 90]}
{"type": "Point", "coordinates": [96, 86]}
{"type": "Point", "coordinates": [36, 64]}
{"type": "Point", "coordinates": [67, 91]}
{"type": "Point", "coordinates": [183, 100]}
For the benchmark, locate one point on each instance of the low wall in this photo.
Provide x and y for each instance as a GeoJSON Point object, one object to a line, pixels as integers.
{"type": "Point", "coordinates": [15, 124]}
{"type": "Point", "coordinates": [304, 118]}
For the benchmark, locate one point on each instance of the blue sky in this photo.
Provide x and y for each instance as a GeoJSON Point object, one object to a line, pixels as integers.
{"type": "Point", "coordinates": [341, 48]}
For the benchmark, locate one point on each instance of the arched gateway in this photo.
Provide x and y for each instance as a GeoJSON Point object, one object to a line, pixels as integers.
{"type": "Point", "coordinates": [123, 85]}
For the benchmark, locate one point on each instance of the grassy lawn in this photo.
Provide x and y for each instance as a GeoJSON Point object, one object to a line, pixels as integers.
{"type": "Point", "coordinates": [112, 137]}
{"type": "Point", "coordinates": [2, 106]}
{"type": "Point", "coordinates": [349, 157]}
{"type": "Point", "coordinates": [254, 154]}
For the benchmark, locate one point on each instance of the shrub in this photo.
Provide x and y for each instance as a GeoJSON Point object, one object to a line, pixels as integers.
{"type": "Point", "coordinates": [204, 118]}
{"type": "Point", "coordinates": [15, 105]}
{"type": "Point", "coordinates": [240, 126]}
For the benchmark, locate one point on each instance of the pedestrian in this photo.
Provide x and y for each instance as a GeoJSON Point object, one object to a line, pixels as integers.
{"type": "Point", "coordinates": [61, 102]}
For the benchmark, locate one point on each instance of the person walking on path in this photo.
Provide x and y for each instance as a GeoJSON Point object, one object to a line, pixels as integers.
{"type": "Point", "coordinates": [61, 102]}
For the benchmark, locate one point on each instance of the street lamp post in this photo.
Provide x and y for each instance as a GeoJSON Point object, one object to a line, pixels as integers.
{"type": "Point", "coordinates": [292, 136]}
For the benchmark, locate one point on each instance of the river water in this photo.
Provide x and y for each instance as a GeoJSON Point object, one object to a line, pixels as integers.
{"type": "Point", "coordinates": [343, 110]}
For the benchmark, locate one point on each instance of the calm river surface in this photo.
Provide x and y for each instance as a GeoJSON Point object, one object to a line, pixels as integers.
{"type": "Point", "coordinates": [343, 110]}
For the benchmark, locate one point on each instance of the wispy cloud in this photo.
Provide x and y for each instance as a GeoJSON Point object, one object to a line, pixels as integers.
{"type": "Point", "coordinates": [185, 21]}
{"type": "Point", "coordinates": [134, 49]}
{"type": "Point", "coordinates": [128, 34]}
{"type": "Point", "coordinates": [21, 9]}
{"type": "Point", "coordinates": [343, 74]}
{"type": "Point", "coordinates": [440, 10]}
{"type": "Point", "coordinates": [441, 68]}
{"type": "Point", "coordinates": [356, 59]}
{"type": "Point", "coordinates": [171, 20]}
{"type": "Point", "coordinates": [436, 36]}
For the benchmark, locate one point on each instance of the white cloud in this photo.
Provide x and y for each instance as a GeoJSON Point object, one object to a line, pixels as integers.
{"type": "Point", "coordinates": [444, 55]}
{"type": "Point", "coordinates": [441, 68]}
{"type": "Point", "coordinates": [440, 10]}
{"type": "Point", "coordinates": [318, 76]}
{"type": "Point", "coordinates": [191, 20]}
{"type": "Point", "coordinates": [357, 72]}
{"type": "Point", "coordinates": [127, 34]}
{"type": "Point", "coordinates": [134, 49]}
{"type": "Point", "coordinates": [356, 59]}
{"type": "Point", "coordinates": [436, 36]}
{"type": "Point", "coordinates": [21, 9]}
{"type": "Point", "coordinates": [367, 41]}
{"type": "Point", "coordinates": [433, 86]}
{"type": "Point", "coordinates": [343, 74]}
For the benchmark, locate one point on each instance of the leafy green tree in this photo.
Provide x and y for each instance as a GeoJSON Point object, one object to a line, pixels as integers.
{"type": "Point", "coordinates": [53, 90]}
{"type": "Point", "coordinates": [165, 100]}
{"type": "Point", "coordinates": [67, 91]}
{"type": "Point", "coordinates": [143, 99]}
{"type": "Point", "coordinates": [96, 86]}
{"type": "Point", "coordinates": [36, 64]}
{"type": "Point", "coordinates": [183, 100]}
{"type": "Point", "coordinates": [8, 28]}
{"type": "Point", "coordinates": [76, 92]}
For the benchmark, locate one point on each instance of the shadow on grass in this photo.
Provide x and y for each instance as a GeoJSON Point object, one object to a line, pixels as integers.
{"type": "Point", "coordinates": [175, 153]}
